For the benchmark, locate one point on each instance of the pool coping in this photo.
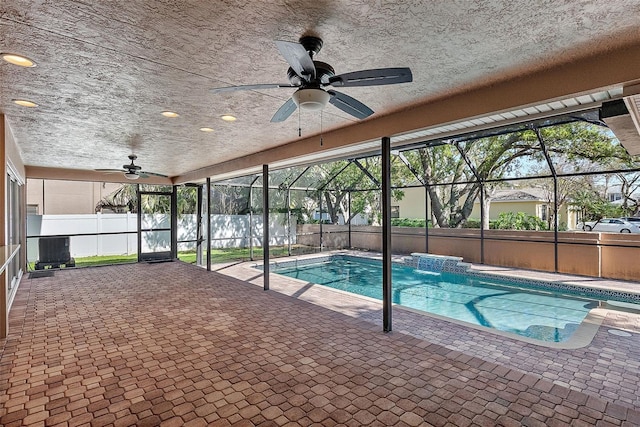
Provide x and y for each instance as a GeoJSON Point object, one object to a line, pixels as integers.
{"type": "Point", "coordinates": [581, 337]}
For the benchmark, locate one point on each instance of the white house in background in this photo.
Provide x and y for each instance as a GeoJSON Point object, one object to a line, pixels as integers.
{"type": "Point", "coordinates": [615, 196]}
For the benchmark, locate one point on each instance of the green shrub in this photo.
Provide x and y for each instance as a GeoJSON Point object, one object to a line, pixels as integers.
{"type": "Point", "coordinates": [471, 223]}
{"type": "Point", "coordinates": [519, 221]}
{"type": "Point", "coordinates": [408, 222]}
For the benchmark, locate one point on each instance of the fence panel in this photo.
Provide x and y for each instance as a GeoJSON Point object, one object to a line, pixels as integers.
{"type": "Point", "coordinates": [226, 231]}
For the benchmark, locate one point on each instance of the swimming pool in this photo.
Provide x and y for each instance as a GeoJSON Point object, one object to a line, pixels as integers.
{"type": "Point", "coordinates": [541, 315]}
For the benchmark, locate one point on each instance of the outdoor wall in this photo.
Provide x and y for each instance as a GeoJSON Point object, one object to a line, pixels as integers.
{"type": "Point", "coordinates": [412, 204]}
{"type": "Point", "coordinates": [619, 258]}
{"type": "Point", "coordinates": [367, 237]}
{"type": "Point", "coordinates": [496, 208]}
{"type": "Point", "coordinates": [464, 243]}
{"type": "Point", "coordinates": [35, 194]}
{"type": "Point", "coordinates": [604, 255]}
{"type": "Point", "coordinates": [333, 236]}
{"type": "Point", "coordinates": [571, 216]}
{"type": "Point", "coordinates": [55, 197]}
{"type": "Point", "coordinates": [406, 240]}
{"type": "Point", "coordinates": [578, 253]}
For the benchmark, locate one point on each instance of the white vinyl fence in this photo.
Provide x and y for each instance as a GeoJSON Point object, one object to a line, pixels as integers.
{"type": "Point", "coordinates": [227, 231]}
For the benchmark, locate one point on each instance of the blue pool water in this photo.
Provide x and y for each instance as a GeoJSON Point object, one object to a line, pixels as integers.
{"type": "Point", "coordinates": [541, 315]}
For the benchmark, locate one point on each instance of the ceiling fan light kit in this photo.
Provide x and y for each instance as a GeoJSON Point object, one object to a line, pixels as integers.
{"type": "Point", "coordinates": [132, 171]}
{"type": "Point", "coordinates": [311, 99]}
{"type": "Point", "coordinates": [310, 77]}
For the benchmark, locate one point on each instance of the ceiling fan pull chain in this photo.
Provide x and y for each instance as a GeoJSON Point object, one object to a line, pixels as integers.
{"type": "Point", "coordinates": [321, 112]}
{"type": "Point", "coordinates": [299, 128]}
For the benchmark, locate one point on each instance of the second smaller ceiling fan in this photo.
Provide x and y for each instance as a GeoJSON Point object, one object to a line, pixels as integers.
{"type": "Point", "coordinates": [132, 171]}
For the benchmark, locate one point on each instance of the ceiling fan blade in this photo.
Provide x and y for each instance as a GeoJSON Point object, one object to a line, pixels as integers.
{"type": "Point", "coordinates": [144, 174]}
{"type": "Point", "coordinates": [249, 87]}
{"type": "Point", "coordinates": [380, 76]}
{"type": "Point", "coordinates": [298, 58]}
{"type": "Point", "coordinates": [349, 105]}
{"type": "Point", "coordinates": [110, 170]}
{"type": "Point", "coordinates": [284, 112]}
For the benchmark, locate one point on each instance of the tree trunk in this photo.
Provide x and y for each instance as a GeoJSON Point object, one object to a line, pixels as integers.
{"type": "Point", "coordinates": [486, 207]}
{"type": "Point", "coordinates": [333, 207]}
{"type": "Point", "coordinates": [436, 208]}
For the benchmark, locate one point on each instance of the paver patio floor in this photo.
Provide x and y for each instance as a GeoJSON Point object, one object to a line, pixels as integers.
{"type": "Point", "coordinates": [172, 344]}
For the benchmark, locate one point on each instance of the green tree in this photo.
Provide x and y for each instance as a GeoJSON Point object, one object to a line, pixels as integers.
{"type": "Point", "coordinates": [491, 158]}
{"type": "Point", "coordinates": [592, 206]}
{"type": "Point", "coordinates": [229, 199]}
{"type": "Point", "coordinates": [629, 189]}
{"type": "Point", "coordinates": [125, 199]}
{"type": "Point", "coordinates": [582, 145]}
{"type": "Point", "coordinates": [336, 180]}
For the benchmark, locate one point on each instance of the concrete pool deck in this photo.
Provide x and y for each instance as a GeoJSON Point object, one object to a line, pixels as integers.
{"type": "Point", "coordinates": [608, 365]}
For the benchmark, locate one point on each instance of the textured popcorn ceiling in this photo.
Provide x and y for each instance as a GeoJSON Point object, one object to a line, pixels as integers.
{"type": "Point", "coordinates": [106, 69]}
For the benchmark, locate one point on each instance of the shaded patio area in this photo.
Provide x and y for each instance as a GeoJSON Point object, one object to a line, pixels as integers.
{"type": "Point", "coordinates": [173, 344]}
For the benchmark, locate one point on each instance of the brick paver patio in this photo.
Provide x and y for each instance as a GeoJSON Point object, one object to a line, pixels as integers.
{"type": "Point", "coordinates": [172, 344]}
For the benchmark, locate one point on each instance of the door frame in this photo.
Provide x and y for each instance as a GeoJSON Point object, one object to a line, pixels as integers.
{"type": "Point", "coordinates": [172, 254]}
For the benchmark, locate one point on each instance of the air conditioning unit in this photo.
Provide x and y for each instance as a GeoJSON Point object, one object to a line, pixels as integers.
{"type": "Point", "coordinates": [53, 252]}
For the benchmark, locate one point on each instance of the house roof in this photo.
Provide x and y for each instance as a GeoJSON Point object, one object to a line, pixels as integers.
{"type": "Point", "coordinates": [520, 195]}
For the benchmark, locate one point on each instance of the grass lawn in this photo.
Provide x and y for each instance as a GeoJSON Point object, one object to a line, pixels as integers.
{"type": "Point", "coordinates": [217, 256]}
{"type": "Point", "coordinates": [233, 254]}
{"type": "Point", "coordinates": [105, 259]}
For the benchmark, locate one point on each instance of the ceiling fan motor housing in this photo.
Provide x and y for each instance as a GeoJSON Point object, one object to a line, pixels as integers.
{"type": "Point", "coordinates": [323, 72]}
{"type": "Point", "coordinates": [131, 167]}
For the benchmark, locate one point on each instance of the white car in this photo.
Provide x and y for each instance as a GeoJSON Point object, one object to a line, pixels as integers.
{"type": "Point", "coordinates": [610, 225]}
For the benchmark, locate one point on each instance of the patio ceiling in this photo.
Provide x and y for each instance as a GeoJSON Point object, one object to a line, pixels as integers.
{"type": "Point", "coordinates": [106, 70]}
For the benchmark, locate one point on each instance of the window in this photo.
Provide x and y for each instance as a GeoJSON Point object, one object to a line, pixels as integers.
{"type": "Point", "coordinates": [613, 197]}
{"type": "Point", "coordinates": [395, 211]}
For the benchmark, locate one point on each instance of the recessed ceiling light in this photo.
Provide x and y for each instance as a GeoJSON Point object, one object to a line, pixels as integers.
{"type": "Point", "coordinates": [170, 114]}
{"type": "Point", "coordinates": [25, 103]}
{"type": "Point", "coordinates": [20, 60]}
{"type": "Point", "coordinates": [228, 118]}
{"type": "Point", "coordinates": [206, 129]}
